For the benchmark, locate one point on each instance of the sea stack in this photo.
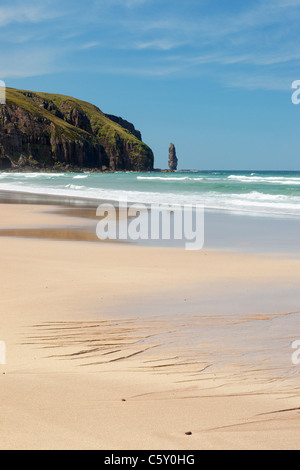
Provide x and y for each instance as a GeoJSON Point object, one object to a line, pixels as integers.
{"type": "Point", "coordinates": [173, 161]}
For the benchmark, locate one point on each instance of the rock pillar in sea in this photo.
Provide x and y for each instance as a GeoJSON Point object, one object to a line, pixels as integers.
{"type": "Point", "coordinates": [173, 161]}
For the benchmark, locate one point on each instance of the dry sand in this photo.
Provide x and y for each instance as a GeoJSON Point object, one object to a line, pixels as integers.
{"type": "Point", "coordinates": [109, 346]}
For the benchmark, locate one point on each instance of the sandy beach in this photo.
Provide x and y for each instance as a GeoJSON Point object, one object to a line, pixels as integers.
{"type": "Point", "coordinates": [115, 346]}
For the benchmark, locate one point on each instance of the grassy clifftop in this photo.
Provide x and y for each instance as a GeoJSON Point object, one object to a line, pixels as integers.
{"type": "Point", "coordinates": [50, 128]}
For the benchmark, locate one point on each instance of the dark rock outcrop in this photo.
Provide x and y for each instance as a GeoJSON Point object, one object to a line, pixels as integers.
{"type": "Point", "coordinates": [45, 130]}
{"type": "Point", "coordinates": [173, 161]}
{"type": "Point", "coordinates": [5, 163]}
{"type": "Point", "coordinates": [125, 124]}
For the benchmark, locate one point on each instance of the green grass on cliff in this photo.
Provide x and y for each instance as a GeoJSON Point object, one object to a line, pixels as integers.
{"type": "Point", "coordinates": [105, 131]}
{"type": "Point", "coordinates": [17, 98]}
{"type": "Point", "coordinates": [69, 119]}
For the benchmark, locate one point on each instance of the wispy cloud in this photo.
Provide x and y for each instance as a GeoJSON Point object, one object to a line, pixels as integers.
{"type": "Point", "coordinates": [143, 71]}
{"type": "Point", "coordinates": [258, 82]}
{"type": "Point", "coordinates": [160, 44]}
{"type": "Point", "coordinates": [29, 12]}
{"type": "Point", "coordinates": [29, 62]}
{"type": "Point", "coordinates": [133, 3]}
{"type": "Point", "coordinates": [259, 38]}
{"type": "Point", "coordinates": [89, 45]}
{"type": "Point", "coordinates": [121, 3]}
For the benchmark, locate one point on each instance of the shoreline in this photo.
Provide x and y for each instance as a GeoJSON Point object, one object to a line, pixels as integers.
{"type": "Point", "coordinates": [192, 341]}
{"type": "Point", "coordinates": [62, 196]}
{"type": "Point", "coordinates": [276, 235]}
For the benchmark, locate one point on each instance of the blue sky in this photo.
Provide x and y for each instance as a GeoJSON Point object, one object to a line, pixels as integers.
{"type": "Point", "coordinates": [212, 76]}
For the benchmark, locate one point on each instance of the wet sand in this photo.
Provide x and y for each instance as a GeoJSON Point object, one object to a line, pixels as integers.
{"type": "Point", "coordinates": [115, 346]}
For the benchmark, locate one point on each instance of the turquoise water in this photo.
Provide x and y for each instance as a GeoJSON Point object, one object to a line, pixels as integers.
{"type": "Point", "coordinates": [251, 192]}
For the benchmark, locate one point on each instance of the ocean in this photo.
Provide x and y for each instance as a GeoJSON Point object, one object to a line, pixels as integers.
{"type": "Point", "coordinates": [249, 192]}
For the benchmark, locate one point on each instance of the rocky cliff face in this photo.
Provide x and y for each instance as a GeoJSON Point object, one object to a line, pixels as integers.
{"type": "Point", "coordinates": [45, 130]}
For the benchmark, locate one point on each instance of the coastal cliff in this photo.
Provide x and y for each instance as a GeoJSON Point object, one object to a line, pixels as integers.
{"type": "Point", "coordinates": [43, 130]}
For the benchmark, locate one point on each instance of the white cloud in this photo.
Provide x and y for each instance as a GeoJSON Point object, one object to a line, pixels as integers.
{"type": "Point", "coordinates": [259, 39]}
{"type": "Point", "coordinates": [142, 71]}
{"type": "Point", "coordinates": [134, 3]}
{"type": "Point", "coordinates": [256, 59]}
{"type": "Point", "coordinates": [258, 82]}
{"type": "Point", "coordinates": [160, 44]}
{"type": "Point", "coordinates": [28, 62]}
{"type": "Point", "coordinates": [123, 3]}
{"type": "Point", "coordinates": [89, 45]}
{"type": "Point", "coordinates": [26, 13]}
